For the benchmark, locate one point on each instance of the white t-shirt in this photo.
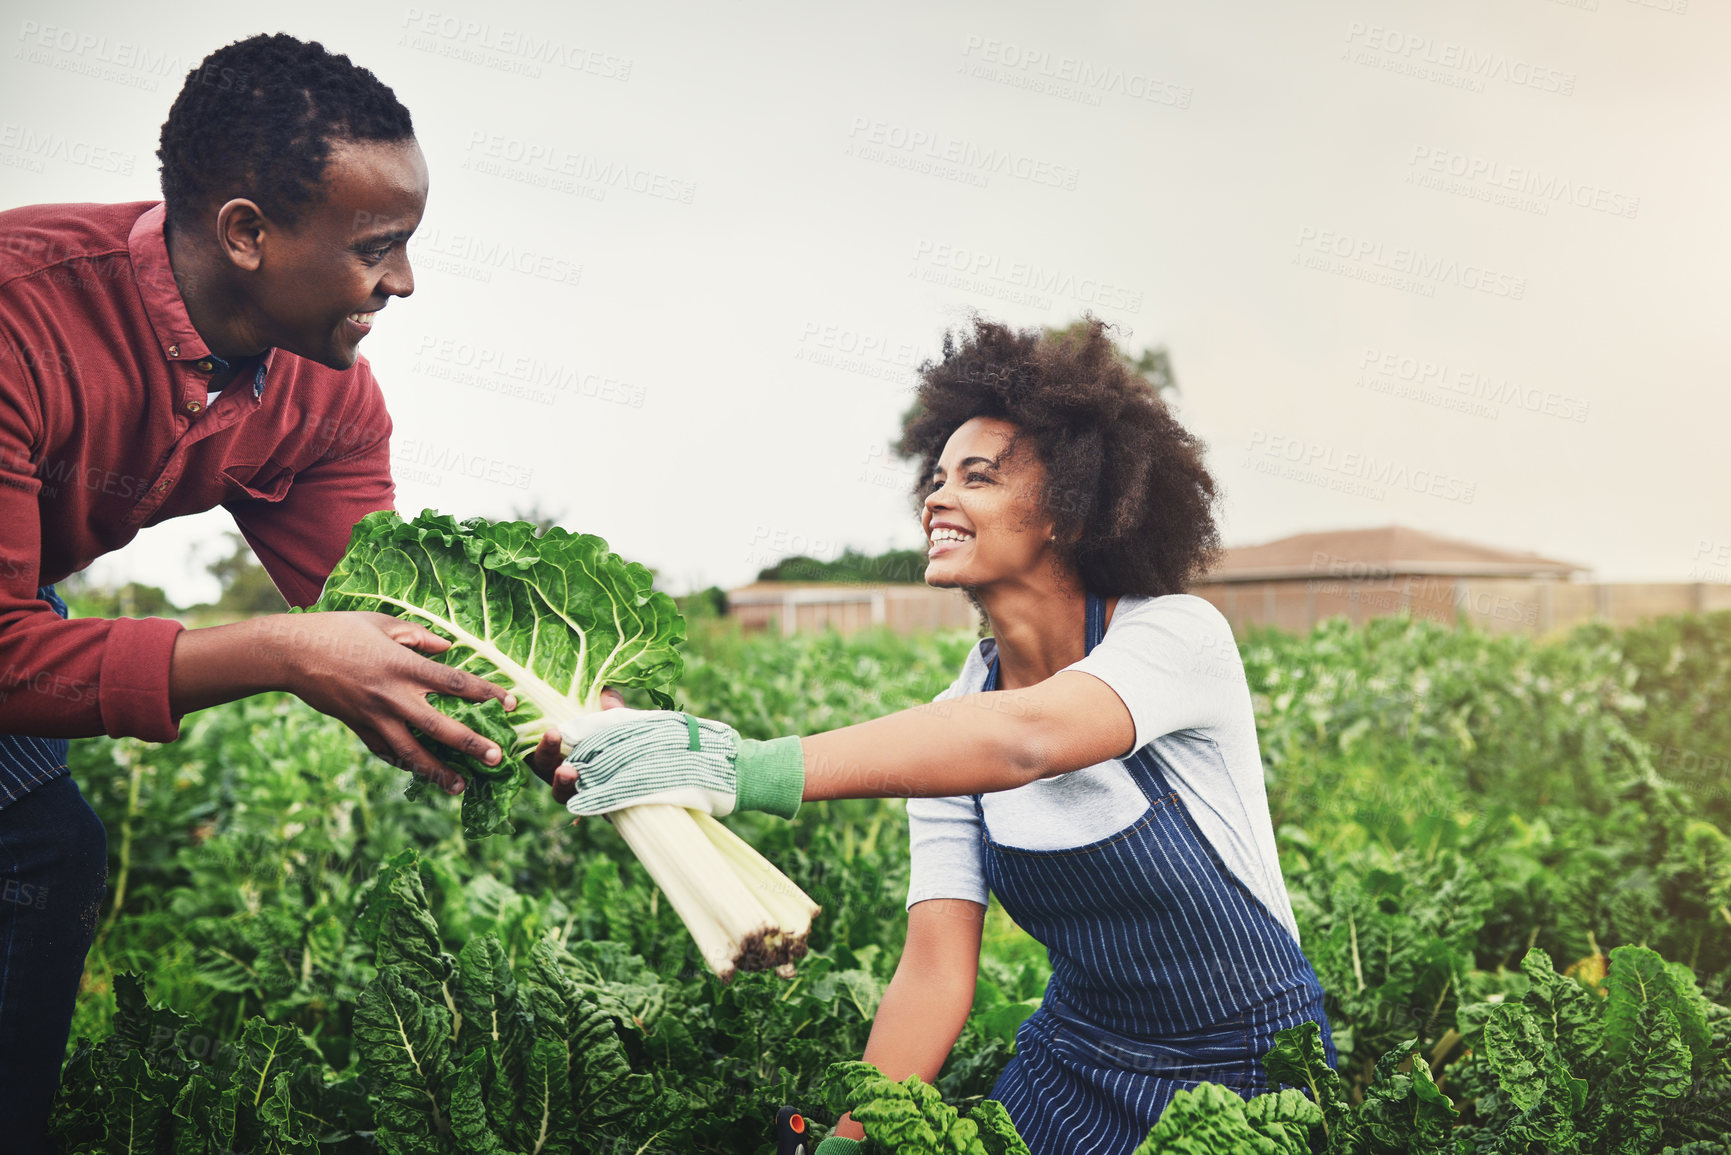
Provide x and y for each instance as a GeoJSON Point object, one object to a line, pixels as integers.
{"type": "Point", "coordinates": [1175, 664]}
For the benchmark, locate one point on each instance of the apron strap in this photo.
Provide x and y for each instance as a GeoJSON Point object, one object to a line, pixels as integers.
{"type": "Point", "coordinates": [1096, 619]}
{"type": "Point", "coordinates": [1094, 628]}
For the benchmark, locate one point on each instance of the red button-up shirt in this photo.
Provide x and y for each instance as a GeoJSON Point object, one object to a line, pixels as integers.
{"type": "Point", "coordinates": [107, 426]}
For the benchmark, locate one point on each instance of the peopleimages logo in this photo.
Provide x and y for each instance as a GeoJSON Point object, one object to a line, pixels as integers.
{"type": "Point", "coordinates": [1363, 255]}
{"type": "Point", "coordinates": [463, 39]}
{"type": "Point", "coordinates": [1349, 471]}
{"type": "Point", "coordinates": [1428, 166]}
{"type": "Point", "coordinates": [1422, 56]}
{"type": "Point", "coordinates": [1068, 77]}
{"type": "Point", "coordinates": [1380, 366]}
{"type": "Point", "coordinates": [896, 144]}
{"type": "Point", "coordinates": [97, 55]}
{"type": "Point", "coordinates": [41, 144]}
{"type": "Point", "coordinates": [435, 460]}
{"type": "Point", "coordinates": [960, 267]}
{"type": "Point", "coordinates": [494, 254]}
{"type": "Point", "coordinates": [541, 162]}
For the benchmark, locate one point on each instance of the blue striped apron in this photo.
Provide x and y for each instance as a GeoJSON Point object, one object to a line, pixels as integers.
{"type": "Point", "coordinates": [26, 762]}
{"type": "Point", "coordinates": [1166, 971]}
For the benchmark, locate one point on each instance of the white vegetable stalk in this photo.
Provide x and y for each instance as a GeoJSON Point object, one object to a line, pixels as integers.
{"type": "Point", "coordinates": [743, 913]}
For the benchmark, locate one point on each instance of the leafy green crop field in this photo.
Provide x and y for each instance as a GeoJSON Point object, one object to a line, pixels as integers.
{"type": "Point", "coordinates": [1469, 827]}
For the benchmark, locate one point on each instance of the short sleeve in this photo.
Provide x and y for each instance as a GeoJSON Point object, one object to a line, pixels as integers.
{"type": "Point", "coordinates": [944, 843]}
{"type": "Point", "coordinates": [1172, 661]}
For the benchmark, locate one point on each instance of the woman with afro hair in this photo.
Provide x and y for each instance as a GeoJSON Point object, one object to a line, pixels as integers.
{"type": "Point", "coordinates": [1095, 764]}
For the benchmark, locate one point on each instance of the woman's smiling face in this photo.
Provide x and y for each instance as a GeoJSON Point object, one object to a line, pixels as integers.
{"type": "Point", "coordinates": [983, 516]}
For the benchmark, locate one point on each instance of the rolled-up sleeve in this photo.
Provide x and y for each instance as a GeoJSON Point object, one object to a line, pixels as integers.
{"type": "Point", "coordinates": [300, 538]}
{"type": "Point", "coordinates": [66, 679]}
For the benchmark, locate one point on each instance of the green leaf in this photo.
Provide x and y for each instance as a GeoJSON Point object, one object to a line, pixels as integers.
{"type": "Point", "coordinates": [1285, 1117]}
{"type": "Point", "coordinates": [1531, 1074]}
{"type": "Point", "coordinates": [1298, 1059]}
{"type": "Point", "coordinates": [398, 921]}
{"type": "Point", "coordinates": [997, 1133]}
{"type": "Point", "coordinates": [1210, 1120]}
{"type": "Point", "coordinates": [1570, 1017]}
{"type": "Point", "coordinates": [1652, 1078]}
{"type": "Point", "coordinates": [908, 1118]}
{"type": "Point", "coordinates": [1638, 978]}
{"type": "Point", "coordinates": [474, 1108]}
{"type": "Point", "coordinates": [555, 617]}
{"type": "Point", "coordinates": [404, 1042]}
{"type": "Point", "coordinates": [1406, 1112]}
{"type": "Point", "coordinates": [138, 1107]}
{"type": "Point", "coordinates": [207, 1118]}
{"type": "Point", "coordinates": [1004, 1020]}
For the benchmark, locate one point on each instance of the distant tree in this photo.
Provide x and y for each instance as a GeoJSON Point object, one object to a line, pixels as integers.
{"type": "Point", "coordinates": [1154, 363]}
{"type": "Point", "coordinates": [247, 590]}
{"type": "Point", "coordinates": [706, 603]}
{"type": "Point", "coordinates": [86, 599]}
{"type": "Point", "coordinates": [543, 519]}
{"type": "Point", "coordinates": [896, 565]}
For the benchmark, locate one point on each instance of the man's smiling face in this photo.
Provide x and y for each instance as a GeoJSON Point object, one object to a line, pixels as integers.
{"type": "Point", "coordinates": [318, 283]}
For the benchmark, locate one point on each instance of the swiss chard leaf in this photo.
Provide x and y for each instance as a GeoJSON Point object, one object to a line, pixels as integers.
{"type": "Point", "coordinates": [909, 1117]}
{"type": "Point", "coordinates": [1406, 1111]}
{"type": "Point", "coordinates": [1214, 1120]}
{"type": "Point", "coordinates": [554, 616]}
{"type": "Point", "coordinates": [1297, 1059]}
{"type": "Point", "coordinates": [404, 1042]}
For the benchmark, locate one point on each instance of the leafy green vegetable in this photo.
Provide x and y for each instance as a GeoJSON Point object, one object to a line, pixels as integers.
{"type": "Point", "coordinates": [1443, 800]}
{"type": "Point", "coordinates": [1211, 1119]}
{"type": "Point", "coordinates": [554, 616]}
{"type": "Point", "coordinates": [461, 1055]}
{"type": "Point", "coordinates": [141, 1090]}
{"type": "Point", "coordinates": [1297, 1059]}
{"type": "Point", "coordinates": [997, 1134]}
{"type": "Point", "coordinates": [911, 1118]}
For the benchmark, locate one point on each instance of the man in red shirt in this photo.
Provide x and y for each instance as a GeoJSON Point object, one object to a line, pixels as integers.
{"type": "Point", "coordinates": [160, 359]}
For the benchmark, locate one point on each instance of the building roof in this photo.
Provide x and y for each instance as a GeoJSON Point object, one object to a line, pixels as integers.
{"type": "Point", "coordinates": [761, 592]}
{"type": "Point", "coordinates": [1378, 552]}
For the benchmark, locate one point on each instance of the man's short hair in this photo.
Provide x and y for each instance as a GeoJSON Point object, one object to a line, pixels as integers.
{"type": "Point", "coordinates": [257, 119]}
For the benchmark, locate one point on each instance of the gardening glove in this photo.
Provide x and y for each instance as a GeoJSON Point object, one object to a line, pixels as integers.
{"type": "Point", "coordinates": [835, 1145]}
{"type": "Point", "coordinates": [633, 757]}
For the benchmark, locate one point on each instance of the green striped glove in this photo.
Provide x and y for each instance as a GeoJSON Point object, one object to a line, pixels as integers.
{"type": "Point", "coordinates": [836, 1145]}
{"type": "Point", "coordinates": [634, 757]}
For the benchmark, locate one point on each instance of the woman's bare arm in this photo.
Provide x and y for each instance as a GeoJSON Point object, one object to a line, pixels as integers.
{"type": "Point", "coordinates": [927, 1002]}
{"type": "Point", "coordinates": [974, 744]}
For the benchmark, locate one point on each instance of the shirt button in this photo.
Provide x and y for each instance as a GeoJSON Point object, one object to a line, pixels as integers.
{"type": "Point", "coordinates": [194, 406]}
{"type": "Point", "coordinates": [206, 365]}
{"type": "Point", "coordinates": [174, 350]}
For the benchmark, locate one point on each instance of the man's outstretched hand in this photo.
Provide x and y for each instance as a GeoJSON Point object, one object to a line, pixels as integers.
{"type": "Point", "coordinates": [367, 670]}
{"type": "Point", "coordinates": [548, 761]}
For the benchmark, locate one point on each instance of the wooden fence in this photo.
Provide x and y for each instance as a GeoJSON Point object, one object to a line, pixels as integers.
{"type": "Point", "coordinates": [1502, 605]}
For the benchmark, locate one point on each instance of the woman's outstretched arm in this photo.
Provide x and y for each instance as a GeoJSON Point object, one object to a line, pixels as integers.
{"type": "Point", "coordinates": [927, 1002]}
{"type": "Point", "coordinates": [975, 744]}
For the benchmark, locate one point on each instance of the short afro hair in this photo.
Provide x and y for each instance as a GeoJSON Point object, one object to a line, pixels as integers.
{"type": "Point", "coordinates": [257, 119]}
{"type": "Point", "coordinates": [1132, 501]}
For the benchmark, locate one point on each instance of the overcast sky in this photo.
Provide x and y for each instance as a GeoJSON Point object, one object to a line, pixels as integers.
{"type": "Point", "coordinates": [1459, 266]}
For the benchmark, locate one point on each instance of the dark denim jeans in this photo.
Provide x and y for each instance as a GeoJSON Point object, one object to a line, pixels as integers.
{"type": "Point", "coordinates": [53, 872]}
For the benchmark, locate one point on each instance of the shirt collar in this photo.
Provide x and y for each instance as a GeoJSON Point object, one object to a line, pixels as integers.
{"type": "Point", "coordinates": [163, 304]}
